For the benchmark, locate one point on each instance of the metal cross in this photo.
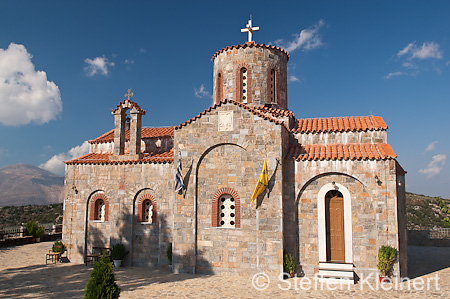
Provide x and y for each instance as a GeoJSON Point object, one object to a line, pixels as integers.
{"type": "Point", "coordinates": [129, 95]}
{"type": "Point", "coordinates": [250, 30]}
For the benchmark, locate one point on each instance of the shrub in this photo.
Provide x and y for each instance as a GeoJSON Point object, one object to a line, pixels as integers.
{"type": "Point", "coordinates": [57, 246]}
{"type": "Point", "coordinates": [387, 256]}
{"type": "Point", "coordinates": [102, 282]}
{"type": "Point", "coordinates": [118, 252]}
{"type": "Point", "coordinates": [169, 253]}
{"type": "Point", "coordinates": [288, 263]}
{"type": "Point", "coordinates": [34, 230]}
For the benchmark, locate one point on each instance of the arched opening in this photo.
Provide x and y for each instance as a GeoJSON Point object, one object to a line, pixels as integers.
{"type": "Point", "coordinates": [244, 85]}
{"type": "Point", "coordinates": [272, 84]}
{"type": "Point", "coordinates": [219, 88]}
{"type": "Point", "coordinates": [334, 222]}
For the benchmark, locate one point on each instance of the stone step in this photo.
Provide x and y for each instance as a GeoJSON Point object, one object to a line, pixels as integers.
{"type": "Point", "coordinates": [336, 280]}
{"type": "Point", "coordinates": [336, 266]}
{"type": "Point", "coordinates": [336, 274]}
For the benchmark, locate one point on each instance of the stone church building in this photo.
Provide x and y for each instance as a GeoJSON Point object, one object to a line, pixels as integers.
{"type": "Point", "coordinates": [336, 193]}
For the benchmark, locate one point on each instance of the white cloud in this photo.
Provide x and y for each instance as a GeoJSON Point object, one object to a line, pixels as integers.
{"type": "Point", "coordinates": [98, 65]}
{"type": "Point", "coordinates": [435, 166]}
{"type": "Point", "coordinates": [390, 75]}
{"type": "Point", "coordinates": [56, 163]}
{"type": "Point", "coordinates": [128, 61]}
{"type": "Point", "coordinates": [427, 50]}
{"type": "Point", "coordinates": [293, 78]}
{"type": "Point", "coordinates": [202, 92]}
{"type": "Point", "coordinates": [431, 146]}
{"type": "Point", "coordinates": [25, 94]}
{"type": "Point", "coordinates": [307, 39]}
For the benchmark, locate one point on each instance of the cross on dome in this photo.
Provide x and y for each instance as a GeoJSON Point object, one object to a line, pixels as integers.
{"type": "Point", "coordinates": [129, 95]}
{"type": "Point", "coordinates": [250, 30]}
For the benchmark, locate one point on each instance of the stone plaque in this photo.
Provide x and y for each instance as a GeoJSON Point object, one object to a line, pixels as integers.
{"type": "Point", "coordinates": [225, 120]}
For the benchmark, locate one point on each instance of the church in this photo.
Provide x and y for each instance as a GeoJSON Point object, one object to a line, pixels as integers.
{"type": "Point", "coordinates": [335, 192]}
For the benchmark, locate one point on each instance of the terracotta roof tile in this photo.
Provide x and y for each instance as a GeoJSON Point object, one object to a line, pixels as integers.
{"type": "Point", "coordinates": [129, 104]}
{"type": "Point", "coordinates": [246, 107]}
{"type": "Point", "coordinates": [339, 151]}
{"type": "Point", "coordinates": [275, 111]}
{"type": "Point", "coordinates": [250, 45]}
{"type": "Point", "coordinates": [339, 124]}
{"type": "Point", "coordinates": [145, 133]}
{"type": "Point", "coordinates": [97, 158]}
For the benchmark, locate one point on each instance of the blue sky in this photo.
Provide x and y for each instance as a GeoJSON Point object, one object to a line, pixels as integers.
{"type": "Point", "coordinates": [65, 64]}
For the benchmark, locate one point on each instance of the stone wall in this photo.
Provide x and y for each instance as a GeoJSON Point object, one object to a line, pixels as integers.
{"type": "Point", "coordinates": [229, 159]}
{"type": "Point", "coordinates": [373, 210]}
{"type": "Point", "coordinates": [342, 137]}
{"type": "Point", "coordinates": [121, 184]}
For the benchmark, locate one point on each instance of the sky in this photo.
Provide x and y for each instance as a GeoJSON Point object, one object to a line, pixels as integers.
{"type": "Point", "coordinates": [65, 64]}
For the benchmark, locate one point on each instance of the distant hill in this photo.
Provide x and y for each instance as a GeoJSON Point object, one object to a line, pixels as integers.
{"type": "Point", "coordinates": [24, 184]}
{"type": "Point", "coordinates": [423, 212]}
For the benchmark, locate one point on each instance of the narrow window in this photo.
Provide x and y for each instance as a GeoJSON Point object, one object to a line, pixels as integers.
{"type": "Point", "coordinates": [244, 85]}
{"type": "Point", "coordinates": [227, 211]}
{"type": "Point", "coordinates": [219, 88]}
{"type": "Point", "coordinates": [272, 86]}
{"type": "Point", "coordinates": [147, 211]}
{"type": "Point", "coordinates": [99, 210]}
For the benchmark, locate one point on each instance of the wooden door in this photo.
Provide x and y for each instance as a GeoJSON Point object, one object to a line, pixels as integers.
{"type": "Point", "coordinates": [334, 205]}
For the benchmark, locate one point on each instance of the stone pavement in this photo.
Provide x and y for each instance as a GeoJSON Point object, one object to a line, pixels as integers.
{"type": "Point", "coordinates": [23, 274]}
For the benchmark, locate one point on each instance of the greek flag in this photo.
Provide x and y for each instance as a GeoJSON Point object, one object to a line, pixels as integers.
{"type": "Point", "coordinates": [179, 176]}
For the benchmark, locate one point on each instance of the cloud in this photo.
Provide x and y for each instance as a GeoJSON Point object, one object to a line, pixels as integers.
{"type": "Point", "coordinates": [25, 94]}
{"type": "Point", "coordinates": [427, 50]}
{"type": "Point", "coordinates": [435, 166]}
{"type": "Point", "coordinates": [202, 93]}
{"type": "Point", "coordinates": [98, 65]}
{"type": "Point", "coordinates": [431, 146]}
{"type": "Point", "coordinates": [414, 59]}
{"type": "Point", "coordinates": [293, 78]}
{"type": "Point", "coordinates": [56, 163]}
{"type": "Point", "coordinates": [128, 61]}
{"type": "Point", "coordinates": [308, 39]}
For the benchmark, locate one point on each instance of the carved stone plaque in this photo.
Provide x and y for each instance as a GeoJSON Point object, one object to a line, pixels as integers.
{"type": "Point", "coordinates": [225, 120]}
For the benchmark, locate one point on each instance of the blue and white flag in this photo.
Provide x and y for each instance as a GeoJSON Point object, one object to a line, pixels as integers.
{"type": "Point", "coordinates": [179, 176]}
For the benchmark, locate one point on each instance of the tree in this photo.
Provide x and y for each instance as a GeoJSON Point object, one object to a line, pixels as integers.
{"type": "Point", "coordinates": [102, 282]}
{"type": "Point", "coordinates": [445, 209]}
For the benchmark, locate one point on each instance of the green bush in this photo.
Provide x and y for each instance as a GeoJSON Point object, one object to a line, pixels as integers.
{"type": "Point", "coordinates": [288, 263]}
{"type": "Point", "coordinates": [169, 253]}
{"type": "Point", "coordinates": [118, 252]}
{"type": "Point", "coordinates": [34, 230]}
{"type": "Point", "coordinates": [57, 246]}
{"type": "Point", "coordinates": [102, 282]}
{"type": "Point", "coordinates": [387, 256]}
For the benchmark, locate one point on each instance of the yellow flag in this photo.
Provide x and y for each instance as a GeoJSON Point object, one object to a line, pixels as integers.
{"type": "Point", "coordinates": [262, 182]}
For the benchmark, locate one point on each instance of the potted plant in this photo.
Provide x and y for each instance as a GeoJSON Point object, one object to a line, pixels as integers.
{"type": "Point", "coordinates": [169, 255]}
{"type": "Point", "coordinates": [289, 263]}
{"type": "Point", "coordinates": [58, 246]}
{"type": "Point", "coordinates": [387, 256]}
{"type": "Point", "coordinates": [118, 252]}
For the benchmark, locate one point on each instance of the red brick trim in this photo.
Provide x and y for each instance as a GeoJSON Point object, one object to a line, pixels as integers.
{"type": "Point", "coordinates": [140, 210]}
{"type": "Point", "coordinates": [277, 84]}
{"type": "Point", "coordinates": [239, 83]}
{"type": "Point", "coordinates": [93, 211]}
{"type": "Point", "coordinates": [215, 207]}
{"type": "Point", "coordinates": [219, 87]}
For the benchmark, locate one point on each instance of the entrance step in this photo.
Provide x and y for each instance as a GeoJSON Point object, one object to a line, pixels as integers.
{"type": "Point", "coordinates": [336, 272]}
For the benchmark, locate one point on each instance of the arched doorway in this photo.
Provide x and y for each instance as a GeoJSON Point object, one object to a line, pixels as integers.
{"type": "Point", "coordinates": [334, 222]}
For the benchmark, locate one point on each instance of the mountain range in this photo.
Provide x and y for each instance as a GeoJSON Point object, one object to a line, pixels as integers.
{"type": "Point", "coordinates": [24, 184]}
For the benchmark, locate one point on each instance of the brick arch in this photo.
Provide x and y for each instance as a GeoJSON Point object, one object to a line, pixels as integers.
{"type": "Point", "coordinates": [140, 207]}
{"type": "Point", "coordinates": [238, 82]}
{"type": "Point", "coordinates": [92, 202]}
{"type": "Point", "coordinates": [215, 206]}
{"type": "Point", "coordinates": [219, 86]}
{"type": "Point", "coordinates": [277, 95]}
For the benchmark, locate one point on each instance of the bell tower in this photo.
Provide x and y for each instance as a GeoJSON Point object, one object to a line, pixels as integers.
{"type": "Point", "coordinates": [254, 74]}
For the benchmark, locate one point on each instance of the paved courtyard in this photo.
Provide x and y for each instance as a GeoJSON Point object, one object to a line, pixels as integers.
{"type": "Point", "coordinates": [23, 274]}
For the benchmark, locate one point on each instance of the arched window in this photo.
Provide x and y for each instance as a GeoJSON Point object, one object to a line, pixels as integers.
{"type": "Point", "coordinates": [146, 209]}
{"type": "Point", "coordinates": [272, 84]}
{"type": "Point", "coordinates": [219, 88]}
{"type": "Point", "coordinates": [226, 209]}
{"type": "Point", "coordinates": [99, 207]}
{"type": "Point", "coordinates": [244, 85]}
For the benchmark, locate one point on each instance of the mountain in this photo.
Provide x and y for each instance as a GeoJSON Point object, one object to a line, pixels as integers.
{"type": "Point", "coordinates": [24, 184]}
{"type": "Point", "coordinates": [423, 211]}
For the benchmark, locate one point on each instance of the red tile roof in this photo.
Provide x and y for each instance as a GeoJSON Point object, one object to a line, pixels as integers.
{"type": "Point", "coordinates": [129, 104]}
{"type": "Point", "coordinates": [275, 112]}
{"type": "Point", "coordinates": [250, 45]}
{"type": "Point", "coordinates": [145, 133]}
{"type": "Point", "coordinates": [246, 107]}
{"type": "Point", "coordinates": [339, 151]}
{"type": "Point", "coordinates": [96, 158]}
{"type": "Point", "coordinates": [340, 124]}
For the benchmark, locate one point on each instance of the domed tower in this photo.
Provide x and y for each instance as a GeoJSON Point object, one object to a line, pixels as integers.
{"type": "Point", "coordinates": [255, 74]}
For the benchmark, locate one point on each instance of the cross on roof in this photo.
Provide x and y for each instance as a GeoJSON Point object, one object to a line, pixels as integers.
{"type": "Point", "coordinates": [129, 95]}
{"type": "Point", "coordinates": [250, 30]}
